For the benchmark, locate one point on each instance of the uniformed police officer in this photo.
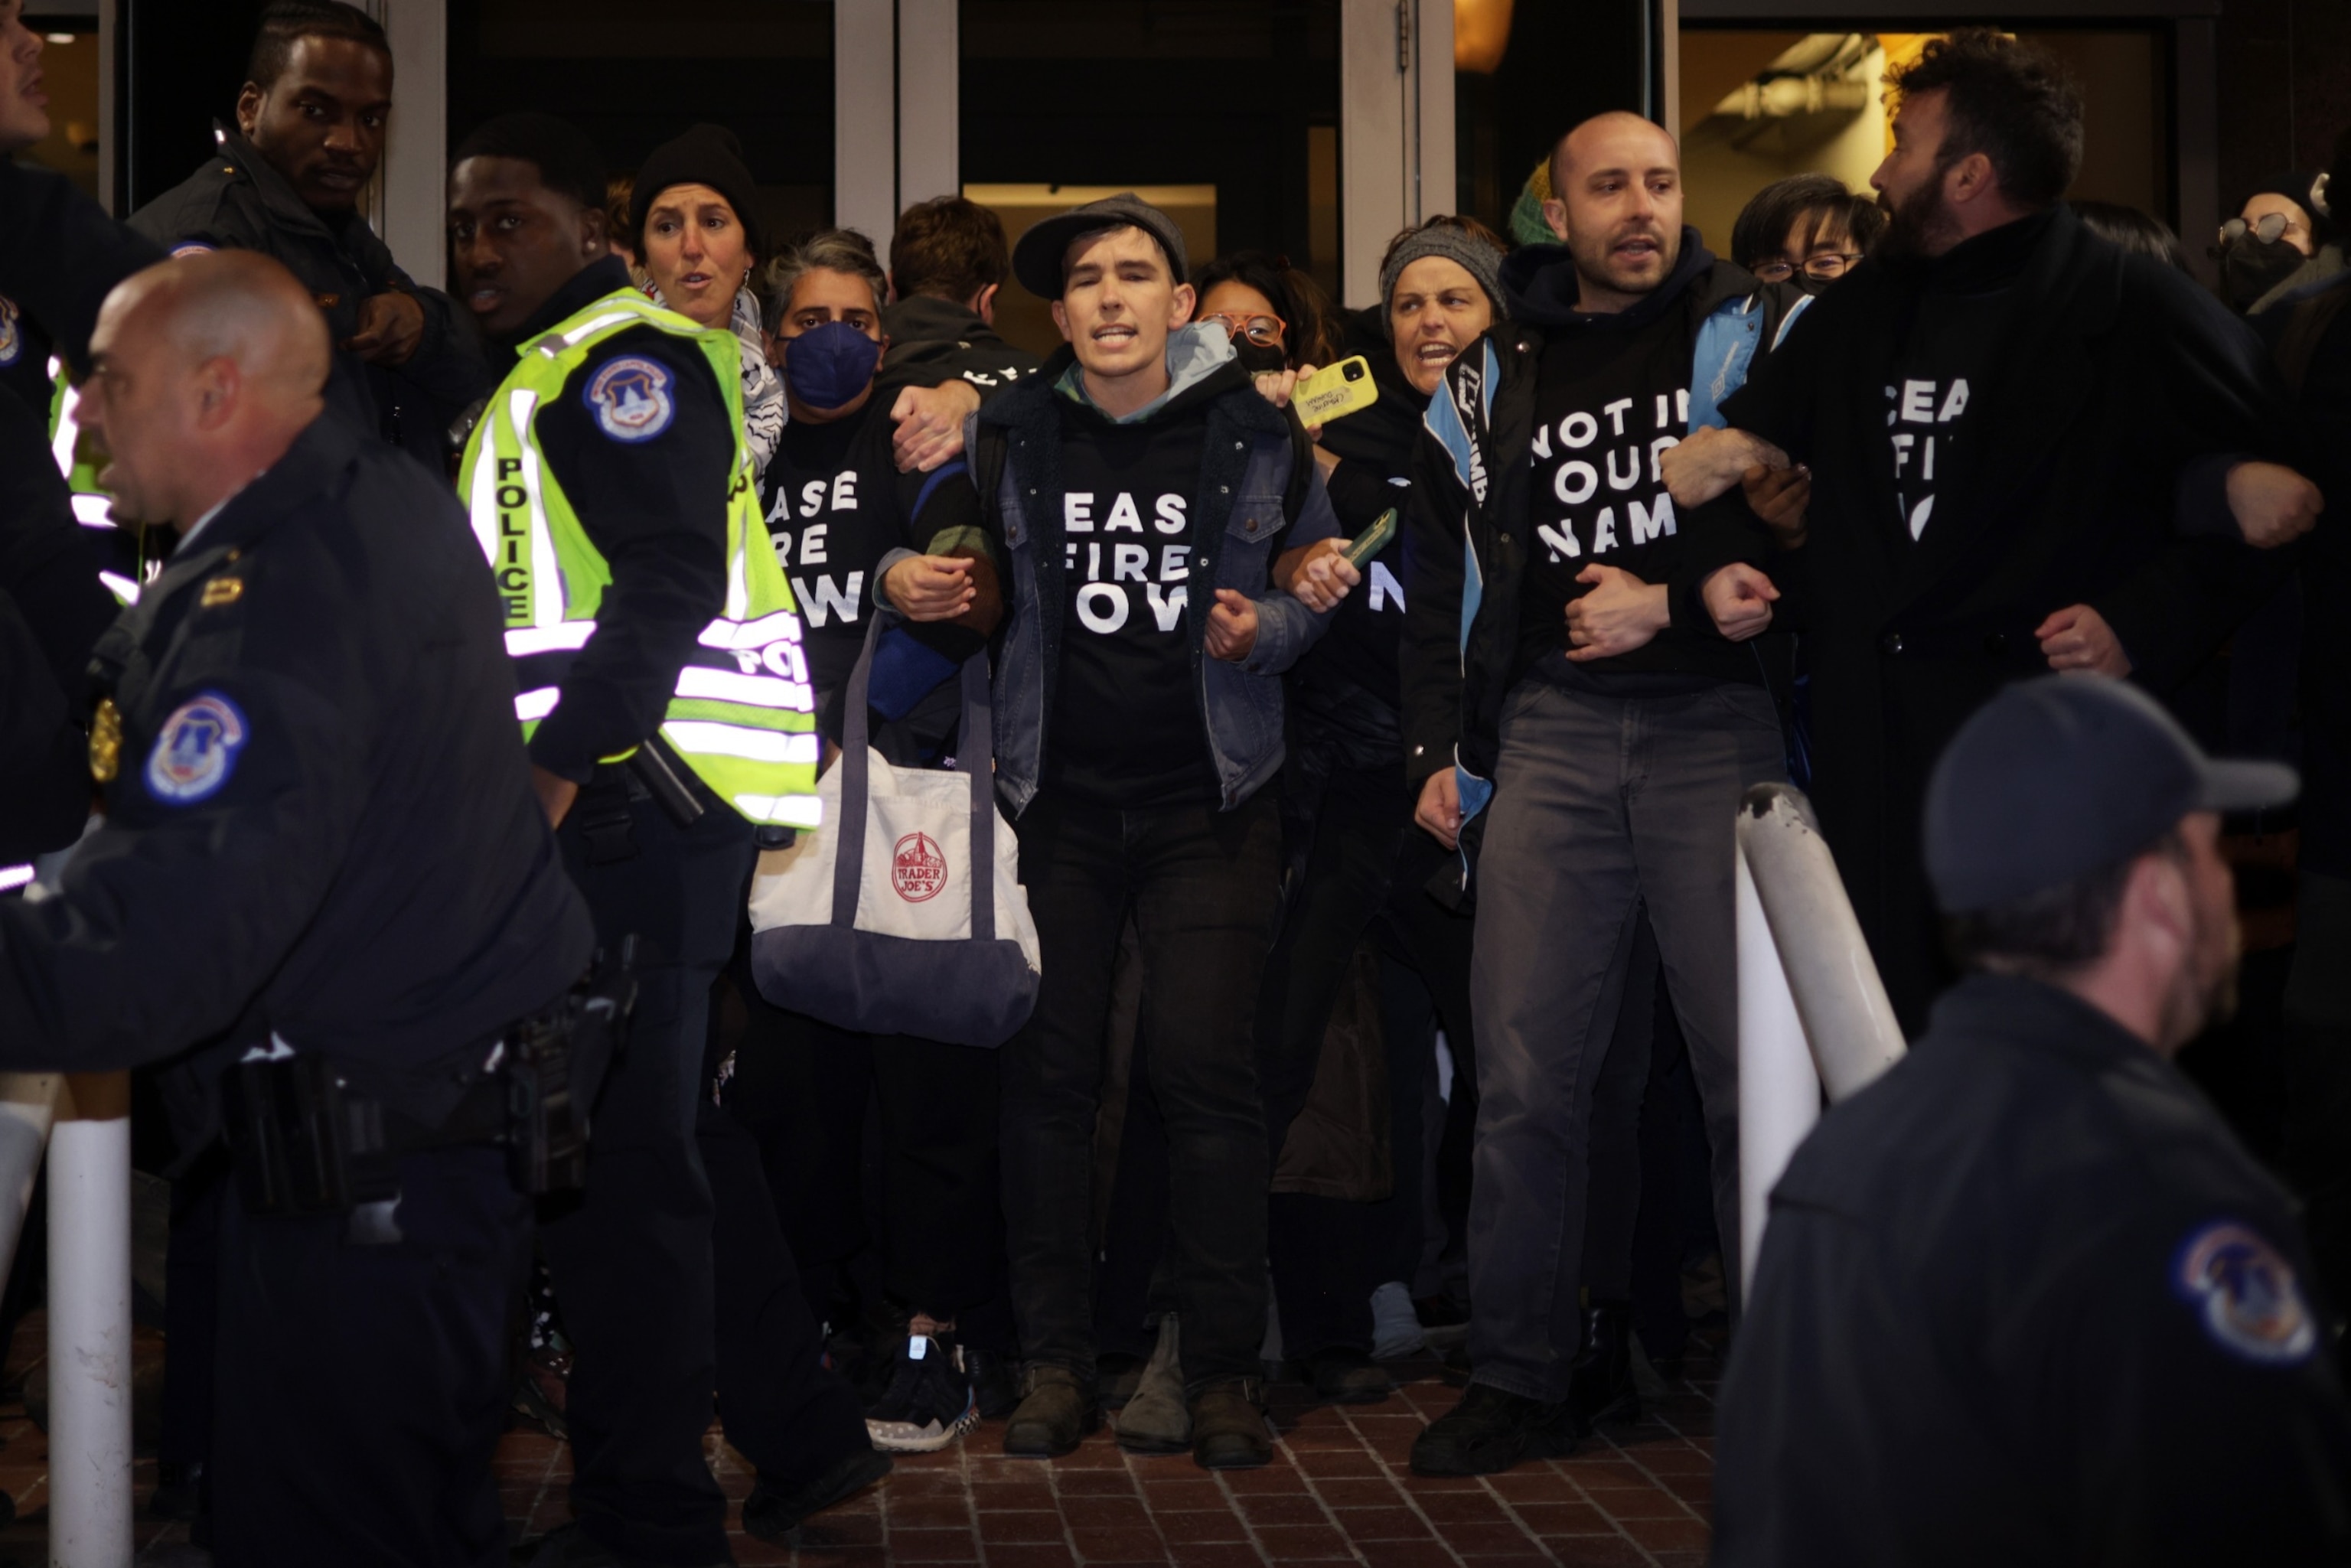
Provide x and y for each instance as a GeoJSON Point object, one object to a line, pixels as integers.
{"type": "Point", "coordinates": [322, 860]}
{"type": "Point", "coordinates": [661, 683]}
{"type": "Point", "coordinates": [2025, 1298]}
{"type": "Point", "coordinates": [52, 248]}
{"type": "Point", "coordinates": [286, 181]}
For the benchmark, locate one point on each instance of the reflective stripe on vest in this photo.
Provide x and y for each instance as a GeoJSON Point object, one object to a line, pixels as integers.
{"type": "Point", "coordinates": [92, 508]}
{"type": "Point", "coordinates": [742, 714]}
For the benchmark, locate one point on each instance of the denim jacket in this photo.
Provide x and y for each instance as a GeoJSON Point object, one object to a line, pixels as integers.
{"type": "Point", "coordinates": [1238, 515]}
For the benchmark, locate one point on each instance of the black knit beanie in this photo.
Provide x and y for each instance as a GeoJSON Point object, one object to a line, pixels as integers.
{"type": "Point", "coordinates": [2294, 186]}
{"type": "Point", "coordinates": [706, 155]}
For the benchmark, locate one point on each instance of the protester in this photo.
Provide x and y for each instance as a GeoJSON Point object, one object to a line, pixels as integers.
{"type": "Point", "coordinates": [288, 181]}
{"type": "Point", "coordinates": [1137, 722]}
{"type": "Point", "coordinates": [1344, 1271]}
{"type": "Point", "coordinates": [2276, 231]}
{"type": "Point", "coordinates": [842, 520]}
{"type": "Point", "coordinates": [1807, 229]}
{"type": "Point", "coordinates": [692, 219]}
{"type": "Point", "coordinates": [2073, 439]}
{"type": "Point", "coordinates": [2028, 1284]}
{"type": "Point", "coordinates": [1276, 313]}
{"type": "Point", "coordinates": [1582, 691]}
{"type": "Point", "coordinates": [2134, 231]}
{"type": "Point", "coordinates": [948, 262]}
{"type": "Point", "coordinates": [2308, 331]}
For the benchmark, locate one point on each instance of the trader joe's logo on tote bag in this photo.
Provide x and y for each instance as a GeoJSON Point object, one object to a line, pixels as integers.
{"type": "Point", "coordinates": [918, 871]}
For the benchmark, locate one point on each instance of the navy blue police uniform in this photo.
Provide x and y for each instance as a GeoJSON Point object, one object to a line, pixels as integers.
{"type": "Point", "coordinates": [60, 256]}
{"type": "Point", "coordinates": [2093, 1311]}
{"type": "Point", "coordinates": [239, 201]}
{"type": "Point", "coordinates": [321, 843]}
{"type": "Point", "coordinates": [634, 1263]}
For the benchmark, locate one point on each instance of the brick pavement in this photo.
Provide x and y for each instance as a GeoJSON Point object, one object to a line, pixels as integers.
{"type": "Point", "coordinates": [1338, 1491]}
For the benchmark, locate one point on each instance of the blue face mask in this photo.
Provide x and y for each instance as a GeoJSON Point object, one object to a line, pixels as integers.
{"type": "Point", "coordinates": [827, 367]}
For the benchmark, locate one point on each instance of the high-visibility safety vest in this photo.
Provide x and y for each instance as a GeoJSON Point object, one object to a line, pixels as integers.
{"type": "Point", "coordinates": [743, 716]}
{"type": "Point", "coordinates": [92, 506]}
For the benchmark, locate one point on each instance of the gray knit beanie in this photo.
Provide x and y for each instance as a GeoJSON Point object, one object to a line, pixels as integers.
{"type": "Point", "coordinates": [1481, 260]}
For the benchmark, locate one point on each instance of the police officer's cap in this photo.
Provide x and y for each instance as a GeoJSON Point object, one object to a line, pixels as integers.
{"type": "Point", "coordinates": [2058, 777]}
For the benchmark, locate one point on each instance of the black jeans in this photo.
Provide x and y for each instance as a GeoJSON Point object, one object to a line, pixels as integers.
{"type": "Point", "coordinates": [1329, 1255]}
{"type": "Point", "coordinates": [631, 1258]}
{"type": "Point", "coordinates": [1200, 885]}
{"type": "Point", "coordinates": [364, 1387]}
{"type": "Point", "coordinates": [801, 1087]}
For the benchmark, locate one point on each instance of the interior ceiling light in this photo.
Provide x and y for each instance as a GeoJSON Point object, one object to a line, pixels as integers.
{"type": "Point", "coordinates": [1481, 32]}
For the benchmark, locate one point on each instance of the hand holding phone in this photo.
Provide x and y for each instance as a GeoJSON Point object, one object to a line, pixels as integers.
{"type": "Point", "coordinates": [1335, 391]}
{"type": "Point", "coordinates": [1372, 540]}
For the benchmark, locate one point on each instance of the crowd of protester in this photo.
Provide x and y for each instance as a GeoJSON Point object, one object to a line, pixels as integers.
{"type": "Point", "coordinates": [1387, 999]}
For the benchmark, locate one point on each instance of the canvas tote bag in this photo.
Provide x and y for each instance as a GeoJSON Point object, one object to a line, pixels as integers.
{"type": "Point", "coordinates": [904, 913]}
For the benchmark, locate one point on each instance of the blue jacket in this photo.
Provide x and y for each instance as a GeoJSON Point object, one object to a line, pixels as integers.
{"type": "Point", "coordinates": [1239, 511]}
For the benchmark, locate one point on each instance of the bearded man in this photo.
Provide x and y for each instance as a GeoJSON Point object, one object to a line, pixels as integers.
{"type": "Point", "coordinates": [2023, 451]}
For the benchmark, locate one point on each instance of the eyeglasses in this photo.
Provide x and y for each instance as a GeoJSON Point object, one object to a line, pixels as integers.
{"type": "Point", "coordinates": [1260, 329]}
{"type": "Point", "coordinates": [1821, 268]}
{"type": "Point", "coordinates": [2268, 228]}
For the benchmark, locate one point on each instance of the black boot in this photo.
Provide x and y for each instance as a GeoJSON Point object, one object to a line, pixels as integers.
{"type": "Point", "coordinates": [1600, 1383]}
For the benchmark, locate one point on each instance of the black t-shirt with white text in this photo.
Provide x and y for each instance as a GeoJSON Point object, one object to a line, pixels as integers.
{"type": "Point", "coordinates": [1609, 401]}
{"type": "Point", "coordinates": [834, 508]}
{"type": "Point", "coordinates": [1126, 729]}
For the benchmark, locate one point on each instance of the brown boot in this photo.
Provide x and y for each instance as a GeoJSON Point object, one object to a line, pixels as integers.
{"type": "Point", "coordinates": [1057, 1410]}
{"type": "Point", "coordinates": [1228, 1429]}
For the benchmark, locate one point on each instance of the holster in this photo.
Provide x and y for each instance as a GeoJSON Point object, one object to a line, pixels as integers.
{"type": "Point", "coordinates": [308, 1143]}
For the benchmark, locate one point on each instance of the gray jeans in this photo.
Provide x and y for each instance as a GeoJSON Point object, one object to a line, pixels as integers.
{"type": "Point", "coordinates": [1602, 805]}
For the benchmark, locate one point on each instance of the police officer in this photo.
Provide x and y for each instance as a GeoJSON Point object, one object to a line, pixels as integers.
{"type": "Point", "coordinates": [286, 181]}
{"type": "Point", "coordinates": [60, 252]}
{"type": "Point", "coordinates": [322, 860]}
{"type": "Point", "coordinates": [611, 485]}
{"type": "Point", "coordinates": [23, 121]}
{"type": "Point", "coordinates": [2026, 1299]}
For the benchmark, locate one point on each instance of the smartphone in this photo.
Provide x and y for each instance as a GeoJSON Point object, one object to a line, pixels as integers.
{"type": "Point", "coordinates": [1335, 391]}
{"type": "Point", "coordinates": [1372, 540]}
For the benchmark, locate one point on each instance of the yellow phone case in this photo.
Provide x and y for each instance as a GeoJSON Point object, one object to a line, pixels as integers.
{"type": "Point", "coordinates": [1335, 391]}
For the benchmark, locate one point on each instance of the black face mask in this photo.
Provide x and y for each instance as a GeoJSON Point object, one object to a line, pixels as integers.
{"type": "Point", "coordinates": [2251, 267]}
{"type": "Point", "coordinates": [1259, 359]}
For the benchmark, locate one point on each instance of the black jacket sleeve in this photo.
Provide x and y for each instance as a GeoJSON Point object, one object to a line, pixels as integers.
{"type": "Point", "coordinates": [655, 507]}
{"type": "Point", "coordinates": [60, 255]}
{"type": "Point", "coordinates": [1430, 657]}
{"type": "Point", "coordinates": [2212, 391]}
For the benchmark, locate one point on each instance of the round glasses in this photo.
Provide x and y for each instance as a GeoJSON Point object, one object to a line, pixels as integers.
{"type": "Point", "coordinates": [2269, 228]}
{"type": "Point", "coordinates": [1821, 268]}
{"type": "Point", "coordinates": [1261, 329]}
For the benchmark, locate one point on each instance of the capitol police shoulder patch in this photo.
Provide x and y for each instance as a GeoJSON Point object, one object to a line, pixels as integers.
{"type": "Point", "coordinates": [2244, 1293]}
{"type": "Point", "coordinates": [196, 750]}
{"type": "Point", "coordinates": [11, 336]}
{"type": "Point", "coordinates": [630, 398]}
